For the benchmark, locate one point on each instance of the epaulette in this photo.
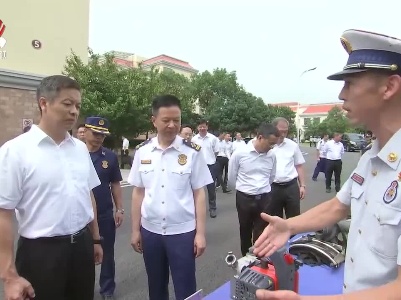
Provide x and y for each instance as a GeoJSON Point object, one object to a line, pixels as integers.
{"type": "Point", "coordinates": [192, 145]}
{"type": "Point", "coordinates": [142, 144]}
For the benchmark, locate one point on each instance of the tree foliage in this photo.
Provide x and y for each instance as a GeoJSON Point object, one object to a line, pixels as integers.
{"type": "Point", "coordinates": [123, 95]}
{"type": "Point", "coordinates": [336, 121]}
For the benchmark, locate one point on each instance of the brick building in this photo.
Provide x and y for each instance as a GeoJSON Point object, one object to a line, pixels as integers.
{"type": "Point", "coordinates": [18, 107]}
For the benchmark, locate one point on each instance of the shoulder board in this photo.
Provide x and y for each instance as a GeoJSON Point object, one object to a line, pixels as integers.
{"type": "Point", "coordinates": [142, 144]}
{"type": "Point", "coordinates": [192, 145]}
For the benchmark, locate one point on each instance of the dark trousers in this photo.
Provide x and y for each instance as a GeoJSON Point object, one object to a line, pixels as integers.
{"type": "Point", "coordinates": [251, 225]}
{"type": "Point", "coordinates": [174, 252]}
{"type": "Point", "coordinates": [222, 175]}
{"type": "Point", "coordinates": [211, 188]}
{"type": "Point", "coordinates": [285, 198]}
{"type": "Point", "coordinates": [107, 229]}
{"type": "Point", "coordinates": [333, 166]}
{"type": "Point", "coordinates": [57, 268]}
{"type": "Point", "coordinates": [320, 167]}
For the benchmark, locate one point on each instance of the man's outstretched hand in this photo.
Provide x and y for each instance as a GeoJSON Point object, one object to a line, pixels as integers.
{"type": "Point", "coordinates": [275, 236]}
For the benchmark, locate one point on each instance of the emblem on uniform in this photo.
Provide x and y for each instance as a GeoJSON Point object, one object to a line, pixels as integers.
{"type": "Point", "coordinates": [392, 157]}
{"type": "Point", "coordinates": [391, 192]}
{"type": "Point", "coordinates": [182, 159]}
{"type": "Point", "coordinates": [105, 164]}
{"type": "Point", "coordinates": [101, 122]}
{"type": "Point", "coordinates": [146, 161]}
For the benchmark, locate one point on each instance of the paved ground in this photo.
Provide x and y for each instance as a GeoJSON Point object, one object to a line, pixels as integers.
{"type": "Point", "coordinates": [222, 236]}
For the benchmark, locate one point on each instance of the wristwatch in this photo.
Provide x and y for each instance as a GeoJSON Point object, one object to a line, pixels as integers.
{"type": "Point", "coordinates": [99, 241]}
{"type": "Point", "coordinates": [121, 210]}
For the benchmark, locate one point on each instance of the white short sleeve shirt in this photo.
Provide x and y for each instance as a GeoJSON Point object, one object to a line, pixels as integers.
{"type": "Point", "coordinates": [47, 184]}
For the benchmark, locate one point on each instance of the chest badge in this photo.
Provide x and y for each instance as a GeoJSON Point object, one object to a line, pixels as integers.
{"type": "Point", "coordinates": [391, 192]}
{"type": "Point", "coordinates": [105, 164]}
{"type": "Point", "coordinates": [392, 157]}
{"type": "Point", "coordinates": [182, 159]}
{"type": "Point", "coordinates": [357, 178]}
{"type": "Point", "coordinates": [146, 162]}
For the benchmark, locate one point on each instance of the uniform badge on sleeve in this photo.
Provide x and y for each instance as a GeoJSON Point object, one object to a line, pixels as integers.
{"type": "Point", "coordinates": [357, 178]}
{"type": "Point", "coordinates": [105, 164]}
{"type": "Point", "coordinates": [391, 192]}
{"type": "Point", "coordinates": [182, 159]}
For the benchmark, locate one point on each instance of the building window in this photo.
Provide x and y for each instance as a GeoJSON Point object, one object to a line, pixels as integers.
{"type": "Point", "coordinates": [307, 122]}
{"type": "Point", "coordinates": [316, 120]}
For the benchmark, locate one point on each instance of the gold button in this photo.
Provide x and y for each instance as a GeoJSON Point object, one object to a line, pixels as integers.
{"type": "Point", "coordinates": [374, 173]}
{"type": "Point", "coordinates": [162, 186]}
{"type": "Point", "coordinates": [162, 170]}
{"type": "Point", "coordinates": [360, 232]}
{"type": "Point", "coordinates": [164, 219]}
{"type": "Point", "coordinates": [163, 202]}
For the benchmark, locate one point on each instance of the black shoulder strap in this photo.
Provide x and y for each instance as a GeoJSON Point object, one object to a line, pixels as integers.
{"type": "Point", "coordinates": [192, 145]}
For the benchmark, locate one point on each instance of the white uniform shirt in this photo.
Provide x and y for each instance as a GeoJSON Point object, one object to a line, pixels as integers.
{"type": "Point", "coordinates": [321, 149]}
{"type": "Point", "coordinates": [288, 156]}
{"type": "Point", "coordinates": [238, 144]}
{"type": "Point", "coordinates": [251, 172]}
{"type": "Point", "coordinates": [47, 184]}
{"type": "Point", "coordinates": [209, 145]}
{"type": "Point", "coordinates": [125, 144]}
{"type": "Point", "coordinates": [169, 177]}
{"type": "Point", "coordinates": [334, 150]}
{"type": "Point", "coordinates": [374, 242]}
{"type": "Point", "coordinates": [225, 149]}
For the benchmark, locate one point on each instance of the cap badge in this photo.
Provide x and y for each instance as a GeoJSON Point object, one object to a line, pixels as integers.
{"type": "Point", "coordinates": [101, 122]}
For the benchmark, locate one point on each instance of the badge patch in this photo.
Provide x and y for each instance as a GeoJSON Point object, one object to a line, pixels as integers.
{"type": "Point", "coordinates": [357, 178]}
{"type": "Point", "coordinates": [146, 162]}
{"type": "Point", "coordinates": [101, 122]}
{"type": "Point", "coordinates": [105, 164]}
{"type": "Point", "coordinates": [182, 159]}
{"type": "Point", "coordinates": [391, 192]}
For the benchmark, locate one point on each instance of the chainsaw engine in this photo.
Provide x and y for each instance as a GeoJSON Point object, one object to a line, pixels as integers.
{"type": "Point", "coordinates": [278, 272]}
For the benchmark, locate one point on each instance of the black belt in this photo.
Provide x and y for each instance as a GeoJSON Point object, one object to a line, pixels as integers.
{"type": "Point", "coordinates": [256, 197]}
{"type": "Point", "coordinates": [70, 238]}
{"type": "Point", "coordinates": [286, 183]}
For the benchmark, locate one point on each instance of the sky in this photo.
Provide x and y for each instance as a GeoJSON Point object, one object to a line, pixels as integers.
{"type": "Point", "coordinates": [267, 43]}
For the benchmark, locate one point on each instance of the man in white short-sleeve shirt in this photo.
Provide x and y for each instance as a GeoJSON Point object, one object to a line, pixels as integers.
{"type": "Point", "coordinates": [169, 174]}
{"type": "Point", "coordinates": [210, 148]}
{"type": "Point", "coordinates": [47, 177]}
{"type": "Point", "coordinates": [372, 99]}
{"type": "Point", "coordinates": [288, 188]}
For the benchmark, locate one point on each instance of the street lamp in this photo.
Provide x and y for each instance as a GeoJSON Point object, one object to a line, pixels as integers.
{"type": "Point", "coordinates": [298, 120]}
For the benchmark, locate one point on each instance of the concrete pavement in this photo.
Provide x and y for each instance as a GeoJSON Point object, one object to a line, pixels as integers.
{"type": "Point", "coordinates": [222, 236]}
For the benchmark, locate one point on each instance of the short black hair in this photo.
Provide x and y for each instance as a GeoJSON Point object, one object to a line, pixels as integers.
{"type": "Point", "coordinates": [81, 126]}
{"type": "Point", "coordinates": [164, 101]}
{"type": "Point", "coordinates": [266, 130]}
{"type": "Point", "coordinates": [185, 126]}
{"type": "Point", "coordinates": [50, 86]}
{"type": "Point", "coordinates": [203, 121]}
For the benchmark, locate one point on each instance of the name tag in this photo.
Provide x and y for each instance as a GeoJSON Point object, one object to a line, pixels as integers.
{"type": "Point", "coordinates": [146, 162]}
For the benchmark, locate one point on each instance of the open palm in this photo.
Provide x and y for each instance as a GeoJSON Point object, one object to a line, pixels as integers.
{"type": "Point", "coordinates": [275, 236]}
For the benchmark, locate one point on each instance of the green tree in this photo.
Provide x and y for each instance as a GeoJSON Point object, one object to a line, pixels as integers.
{"type": "Point", "coordinates": [336, 121]}
{"type": "Point", "coordinates": [217, 86]}
{"type": "Point", "coordinates": [118, 94]}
